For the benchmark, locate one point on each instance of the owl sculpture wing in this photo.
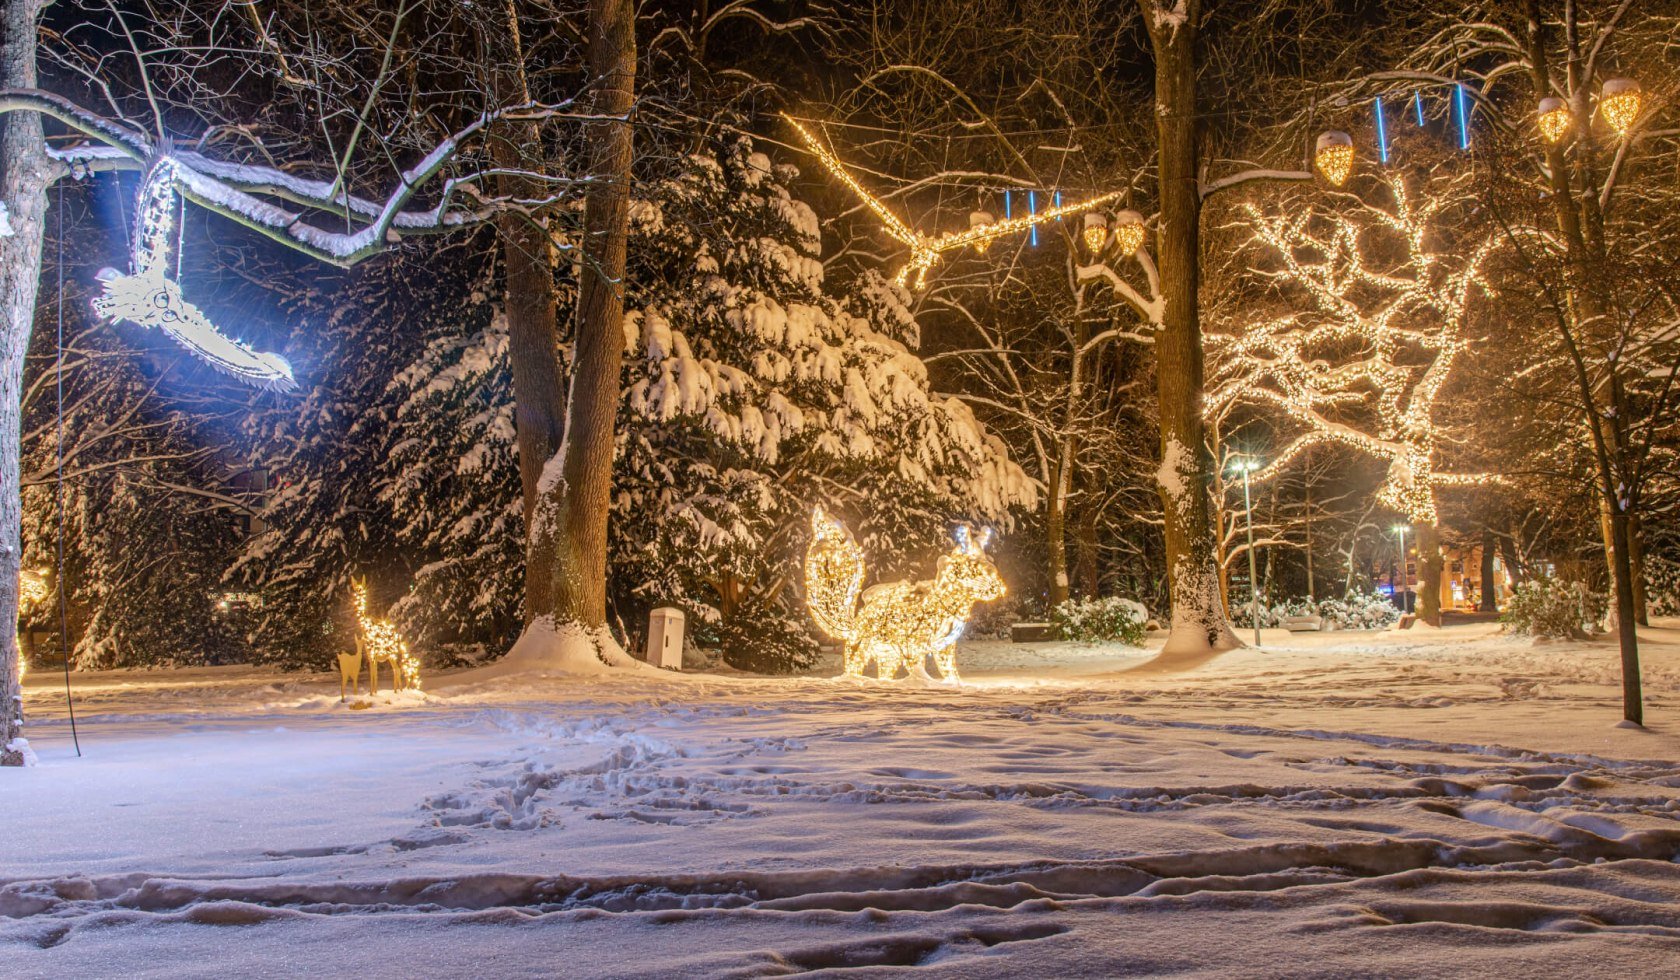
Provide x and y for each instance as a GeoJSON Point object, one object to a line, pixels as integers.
{"type": "Point", "coordinates": [149, 298]}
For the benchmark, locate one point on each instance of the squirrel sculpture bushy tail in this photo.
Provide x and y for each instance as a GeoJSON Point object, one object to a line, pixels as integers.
{"type": "Point", "coordinates": [834, 570]}
{"type": "Point", "coordinates": [897, 625]}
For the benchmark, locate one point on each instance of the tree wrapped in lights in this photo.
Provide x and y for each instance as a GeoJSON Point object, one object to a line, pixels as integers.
{"type": "Point", "coordinates": [1363, 366]}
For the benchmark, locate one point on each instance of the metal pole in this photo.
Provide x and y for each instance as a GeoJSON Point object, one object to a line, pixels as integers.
{"type": "Point", "coordinates": [1400, 573]}
{"type": "Point", "coordinates": [1253, 576]}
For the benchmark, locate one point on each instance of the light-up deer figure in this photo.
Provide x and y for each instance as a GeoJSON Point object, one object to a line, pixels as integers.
{"type": "Point", "coordinates": [380, 641]}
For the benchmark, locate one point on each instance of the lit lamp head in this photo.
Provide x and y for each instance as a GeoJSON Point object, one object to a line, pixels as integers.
{"type": "Point", "coordinates": [981, 219]}
{"type": "Point", "coordinates": [1554, 118]}
{"type": "Point", "coordinates": [1619, 103]}
{"type": "Point", "coordinates": [1334, 156]}
{"type": "Point", "coordinates": [1129, 232]}
{"type": "Point", "coordinates": [1096, 232]}
{"type": "Point", "coordinates": [1400, 529]}
{"type": "Point", "coordinates": [1244, 464]}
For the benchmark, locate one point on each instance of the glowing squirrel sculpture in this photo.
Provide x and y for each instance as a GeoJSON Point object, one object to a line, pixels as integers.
{"type": "Point", "coordinates": [898, 624]}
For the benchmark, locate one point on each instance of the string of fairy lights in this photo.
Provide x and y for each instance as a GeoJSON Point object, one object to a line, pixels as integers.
{"type": "Point", "coordinates": [925, 252]}
{"type": "Point", "coordinates": [1307, 386]}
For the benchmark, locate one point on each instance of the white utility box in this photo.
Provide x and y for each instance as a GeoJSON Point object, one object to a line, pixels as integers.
{"type": "Point", "coordinates": [665, 638]}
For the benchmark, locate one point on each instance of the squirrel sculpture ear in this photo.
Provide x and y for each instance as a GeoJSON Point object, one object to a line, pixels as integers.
{"type": "Point", "coordinates": [985, 539]}
{"type": "Point", "coordinates": [961, 537]}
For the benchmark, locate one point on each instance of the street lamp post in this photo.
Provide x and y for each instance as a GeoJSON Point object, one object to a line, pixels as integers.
{"type": "Point", "coordinates": [1400, 570]}
{"type": "Point", "coordinates": [1246, 465]}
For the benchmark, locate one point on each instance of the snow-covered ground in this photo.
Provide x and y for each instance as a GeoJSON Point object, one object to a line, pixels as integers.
{"type": "Point", "coordinates": [1421, 803]}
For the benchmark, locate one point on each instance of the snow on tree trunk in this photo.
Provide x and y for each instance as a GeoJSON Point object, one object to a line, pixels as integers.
{"type": "Point", "coordinates": [575, 490]}
{"type": "Point", "coordinates": [23, 189]}
{"type": "Point", "coordinates": [1198, 616]}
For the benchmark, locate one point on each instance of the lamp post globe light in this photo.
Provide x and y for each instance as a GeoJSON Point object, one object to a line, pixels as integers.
{"type": "Point", "coordinates": [1246, 465]}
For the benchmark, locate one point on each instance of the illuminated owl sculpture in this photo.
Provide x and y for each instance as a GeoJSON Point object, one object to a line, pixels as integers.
{"type": "Point", "coordinates": [147, 297]}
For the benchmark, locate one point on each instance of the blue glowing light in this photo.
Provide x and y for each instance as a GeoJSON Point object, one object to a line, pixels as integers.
{"type": "Point", "coordinates": [1032, 208]}
{"type": "Point", "coordinates": [1382, 130]}
{"type": "Point", "coordinates": [1463, 120]}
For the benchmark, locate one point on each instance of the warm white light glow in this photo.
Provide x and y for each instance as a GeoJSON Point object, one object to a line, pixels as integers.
{"type": "Point", "coordinates": [1129, 232]}
{"type": "Point", "coordinates": [1365, 367]}
{"type": "Point", "coordinates": [924, 251]}
{"type": "Point", "coordinates": [1095, 233]}
{"type": "Point", "coordinates": [1619, 104]}
{"type": "Point", "coordinates": [149, 298]}
{"type": "Point", "coordinates": [899, 623]}
{"type": "Point", "coordinates": [1554, 118]}
{"type": "Point", "coordinates": [1334, 156]}
{"type": "Point", "coordinates": [32, 589]}
{"type": "Point", "coordinates": [981, 219]}
{"type": "Point", "coordinates": [380, 641]}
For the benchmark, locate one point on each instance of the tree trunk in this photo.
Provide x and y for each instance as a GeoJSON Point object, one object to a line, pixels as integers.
{"type": "Point", "coordinates": [1587, 305]}
{"type": "Point", "coordinates": [1633, 702]}
{"type": "Point", "coordinates": [28, 172]}
{"type": "Point", "coordinates": [1199, 622]}
{"type": "Point", "coordinates": [579, 490]}
{"type": "Point", "coordinates": [1428, 538]}
{"type": "Point", "coordinates": [1312, 591]}
{"type": "Point", "coordinates": [1490, 599]}
{"type": "Point", "coordinates": [1085, 552]}
{"type": "Point", "coordinates": [1508, 551]}
{"type": "Point", "coordinates": [1636, 561]}
{"type": "Point", "coordinates": [539, 401]}
{"type": "Point", "coordinates": [1055, 532]}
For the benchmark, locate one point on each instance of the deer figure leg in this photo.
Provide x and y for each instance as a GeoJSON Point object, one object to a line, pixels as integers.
{"type": "Point", "coordinates": [946, 658]}
{"type": "Point", "coordinates": [373, 675]}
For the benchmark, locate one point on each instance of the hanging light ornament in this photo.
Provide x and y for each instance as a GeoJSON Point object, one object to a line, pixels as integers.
{"type": "Point", "coordinates": [1619, 103]}
{"type": "Point", "coordinates": [976, 221]}
{"type": "Point", "coordinates": [1096, 232]}
{"type": "Point", "coordinates": [1334, 156]}
{"type": "Point", "coordinates": [1554, 118]}
{"type": "Point", "coordinates": [149, 298]}
{"type": "Point", "coordinates": [1129, 232]}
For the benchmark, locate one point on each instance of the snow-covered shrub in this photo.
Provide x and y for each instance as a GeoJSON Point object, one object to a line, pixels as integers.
{"type": "Point", "coordinates": [772, 642]}
{"type": "Point", "coordinates": [1552, 609]}
{"type": "Point", "coordinates": [1359, 611]}
{"type": "Point", "coordinates": [1662, 586]}
{"type": "Point", "coordinates": [1107, 620]}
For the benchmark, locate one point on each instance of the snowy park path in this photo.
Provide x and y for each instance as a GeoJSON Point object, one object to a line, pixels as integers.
{"type": "Point", "coordinates": [1422, 804]}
